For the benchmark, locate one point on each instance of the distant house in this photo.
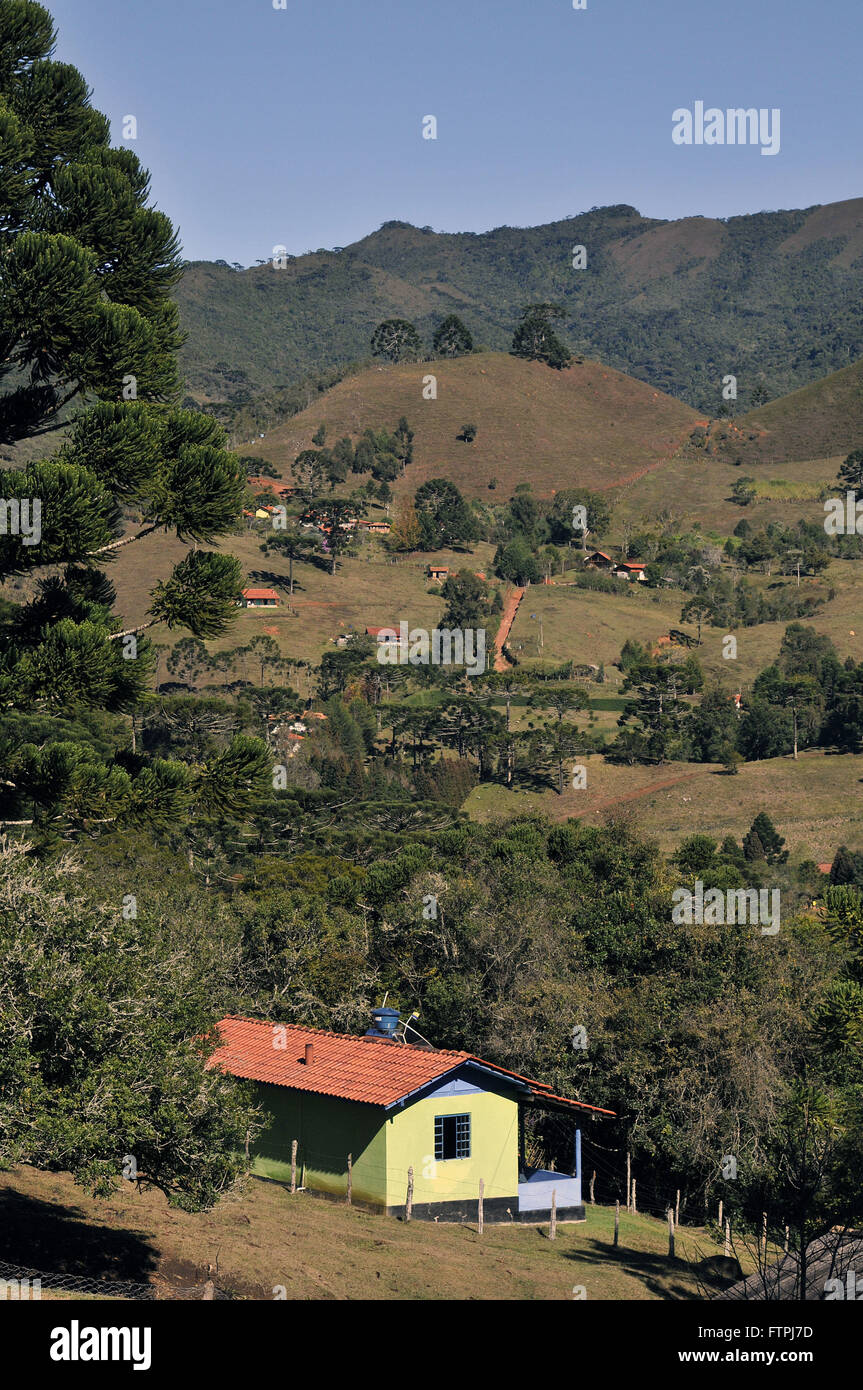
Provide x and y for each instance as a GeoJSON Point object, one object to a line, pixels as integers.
{"type": "Point", "coordinates": [261, 598]}
{"type": "Point", "coordinates": [448, 1118]}
{"type": "Point", "coordinates": [377, 528]}
{"type": "Point", "coordinates": [437, 572]}
{"type": "Point", "coordinates": [598, 560]}
{"type": "Point", "coordinates": [384, 634]}
{"type": "Point", "coordinates": [633, 569]}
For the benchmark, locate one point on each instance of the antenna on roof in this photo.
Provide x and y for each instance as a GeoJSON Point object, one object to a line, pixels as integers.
{"type": "Point", "coordinates": [406, 1026]}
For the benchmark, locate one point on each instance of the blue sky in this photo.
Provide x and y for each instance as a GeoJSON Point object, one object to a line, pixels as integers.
{"type": "Point", "coordinates": [303, 127]}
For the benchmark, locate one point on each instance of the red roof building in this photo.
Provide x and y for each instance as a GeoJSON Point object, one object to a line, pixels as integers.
{"type": "Point", "coordinates": [261, 598]}
{"type": "Point", "coordinates": [442, 1118]}
{"type": "Point", "coordinates": [348, 1066]}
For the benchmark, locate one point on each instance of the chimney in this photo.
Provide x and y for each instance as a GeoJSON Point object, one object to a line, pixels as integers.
{"type": "Point", "coordinates": [310, 1054]}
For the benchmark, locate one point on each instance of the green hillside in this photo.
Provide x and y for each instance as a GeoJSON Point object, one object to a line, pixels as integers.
{"type": "Point", "coordinates": [773, 297]}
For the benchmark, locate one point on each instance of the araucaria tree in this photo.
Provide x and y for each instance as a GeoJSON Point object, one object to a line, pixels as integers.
{"type": "Point", "coordinates": [397, 340]}
{"type": "Point", "coordinates": [88, 337]}
{"type": "Point", "coordinates": [535, 338]}
{"type": "Point", "coordinates": [444, 517]}
{"type": "Point", "coordinates": [452, 338]}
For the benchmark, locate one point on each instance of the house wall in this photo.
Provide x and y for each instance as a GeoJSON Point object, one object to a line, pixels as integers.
{"type": "Point", "coordinates": [383, 1147]}
{"type": "Point", "coordinates": [494, 1149]}
{"type": "Point", "coordinates": [328, 1129]}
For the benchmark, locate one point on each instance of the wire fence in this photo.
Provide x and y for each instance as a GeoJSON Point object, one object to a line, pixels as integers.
{"type": "Point", "coordinates": [31, 1283]}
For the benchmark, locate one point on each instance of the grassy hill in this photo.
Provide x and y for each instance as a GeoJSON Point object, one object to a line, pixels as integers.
{"type": "Point", "coordinates": [587, 426]}
{"type": "Point", "coordinates": [825, 417]}
{"type": "Point", "coordinates": [322, 1250]}
{"type": "Point", "coordinates": [594, 427]}
{"type": "Point", "coordinates": [814, 801]}
{"type": "Point", "coordinates": [774, 297]}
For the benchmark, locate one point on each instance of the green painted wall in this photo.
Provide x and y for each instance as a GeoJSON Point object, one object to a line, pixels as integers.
{"type": "Point", "coordinates": [328, 1130]}
{"type": "Point", "coordinates": [494, 1150]}
{"type": "Point", "coordinates": [384, 1147]}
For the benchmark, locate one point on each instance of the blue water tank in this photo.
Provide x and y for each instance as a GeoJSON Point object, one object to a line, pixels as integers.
{"type": "Point", "coordinates": [386, 1023]}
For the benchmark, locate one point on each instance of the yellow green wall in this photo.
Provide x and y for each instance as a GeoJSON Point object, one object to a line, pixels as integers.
{"type": "Point", "coordinates": [328, 1130]}
{"type": "Point", "coordinates": [383, 1146]}
{"type": "Point", "coordinates": [494, 1150]}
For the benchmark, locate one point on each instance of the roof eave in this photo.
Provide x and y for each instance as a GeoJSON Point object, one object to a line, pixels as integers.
{"type": "Point", "coordinates": [505, 1077]}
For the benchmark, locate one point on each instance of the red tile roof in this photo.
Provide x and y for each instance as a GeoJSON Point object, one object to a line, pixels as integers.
{"type": "Point", "coordinates": [372, 1070]}
{"type": "Point", "coordinates": [260, 593]}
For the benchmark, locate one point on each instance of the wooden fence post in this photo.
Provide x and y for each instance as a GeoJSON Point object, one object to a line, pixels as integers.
{"type": "Point", "coordinates": [552, 1225]}
{"type": "Point", "coordinates": [209, 1291]}
{"type": "Point", "coordinates": [293, 1165]}
{"type": "Point", "coordinates": [616, 1224]}
{"type": "Point", "coordinates": [592, 1181]}
{"type": "Point", "coordinates": [764, 1236]}
{"type": "Point", "coordinates": [677, 1209]}
{"type": "Point", "coordinates": [720, 1213]}
{"type": "Point", "coordinates": [409, 1203]}
{"type": "Point", "coordinates": [628, 1182]}
{"type": "Point", "coordinates": [786, 1240]}
{"type": "Point", "coordinates": [479, 1211]}
{"type": "Point", "coordinates": [727, 1250]}
{"type": "Point", "coordinates": [670, 1231]}
{"type": "Point", "coordinates": [634, 1207]}
{"type": "Point", "coordinates": [350, 1178]}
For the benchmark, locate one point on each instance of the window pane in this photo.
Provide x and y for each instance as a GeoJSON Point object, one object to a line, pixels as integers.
{"type": "Point", "coordinates": [452, 1136]}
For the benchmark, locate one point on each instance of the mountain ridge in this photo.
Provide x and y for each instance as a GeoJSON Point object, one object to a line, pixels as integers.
{"type": "Point", "coordinates": [773, 298]}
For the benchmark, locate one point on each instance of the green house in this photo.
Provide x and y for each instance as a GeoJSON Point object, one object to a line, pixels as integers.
{"type": "Point", "coordinates": [436, 1120]}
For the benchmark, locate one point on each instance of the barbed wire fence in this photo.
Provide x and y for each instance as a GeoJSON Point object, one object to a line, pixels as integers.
{"type": "Point", "coordinates": [125, 1289]}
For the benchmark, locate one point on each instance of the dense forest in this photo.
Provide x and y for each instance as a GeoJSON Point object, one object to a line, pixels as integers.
{"type": "Point", "coordinates": [754, 295]}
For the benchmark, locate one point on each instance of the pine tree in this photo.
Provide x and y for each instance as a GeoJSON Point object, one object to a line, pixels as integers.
{"type": "Point", "coordinates": [88, 327]}
{"type": "Point", "coordinates": [847, 867]}
{"type": "Point", "coordinates": [753, 850]}
{"type": "Point", "coordinates": [770, 839]}
{"type": "Point", "coordinates": [404, 442]}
